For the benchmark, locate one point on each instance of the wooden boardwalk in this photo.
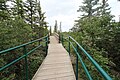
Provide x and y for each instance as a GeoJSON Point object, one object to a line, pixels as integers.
{"type": "Point", "coordinates": [57, 64]}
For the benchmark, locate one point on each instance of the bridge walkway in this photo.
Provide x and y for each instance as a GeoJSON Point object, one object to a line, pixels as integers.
{"type": "Point", "coordinates": [57, 64]}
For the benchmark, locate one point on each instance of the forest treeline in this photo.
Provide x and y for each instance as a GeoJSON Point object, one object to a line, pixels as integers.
{"type": "Point", "coordinates": [97, 31]}
{"type": "Point", "coordinates": [21, 21]}
{"type": "Point", "coordinates": [99, 34]}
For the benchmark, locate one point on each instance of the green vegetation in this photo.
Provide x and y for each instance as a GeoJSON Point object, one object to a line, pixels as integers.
{"type": "Point", "coordinates": [56, 27]}
{"type": "Point", "coordinates": [20, 22]}
{"type": "Point", "coordinates": [99, 34]}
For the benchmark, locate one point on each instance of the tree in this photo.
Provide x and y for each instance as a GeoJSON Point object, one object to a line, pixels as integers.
{"type": "Point", "coordinates": [40, 21]}
{"type": "Point", "coordinates": [30, 8]}
{"type": "Point", "coordinates": [18, 9]}
{"type": "Point", "coordinates": [98, 33]}
{"type": "Point", "coordinates": [56, 26]}
{"type": "Point", "coordinates": [60, 27]}
{"type": "Point", "coordinates": [105, 9]}
{"type": "Point", "coordinates": [35, 18]}
{"type": "Point", "coordinates": [20, 22]}
{"type": "Point", "coordinates": [4, 13]}
{"type": "Point", "coordinates": [89, 8]}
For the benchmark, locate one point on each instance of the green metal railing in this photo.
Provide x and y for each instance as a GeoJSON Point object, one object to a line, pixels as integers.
{"type": "Point", "coordinates": [25, 53]}
{"type": "Point", "coordinates": [69, 39]}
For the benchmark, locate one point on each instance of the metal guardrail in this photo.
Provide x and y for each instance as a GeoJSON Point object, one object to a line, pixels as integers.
{"type": "Point", "coordinates": [79, 58]}
{"type": "Point", "coordinates": [25, 53]}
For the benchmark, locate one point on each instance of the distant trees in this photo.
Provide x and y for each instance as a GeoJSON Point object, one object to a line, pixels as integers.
{"type": "Point", "coordinates": [55, 26]}
{"type": "Point", "coordinates": [89, 8]}
{"type": "Point", "coordinates": [35, 17]}
{"type": "Point", "coordinates": [105, 9]}
{"type": "Point", "coordinates": [21, 18]}
{"type": "Point", "coordinates": [60, 27]}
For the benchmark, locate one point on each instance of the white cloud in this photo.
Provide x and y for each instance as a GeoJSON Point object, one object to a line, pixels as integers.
{"type": "Point", "coordinates": [67, 21]}
{"type": "Point", "coordinates": [65, 11]}
{"type": "Point", "coordinates": [115, 8]}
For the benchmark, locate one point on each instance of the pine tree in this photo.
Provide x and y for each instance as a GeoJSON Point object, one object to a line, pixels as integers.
{"type": "Point", "coordinates": [105, 9]}
{"type": "Point", "coordinates": [30, 7]}
{"type": "Point", "coordinates": [60, 27]}
{"type": "Point", "coordinates": [88, 8]}
{"type": "Point", "coordinates": [20, 21]}
{"type": "Point", "coordinates": [4, 13]}
{"type": "Point", "coordinates": [56, 26]}
{"type": "Point", "coordinates": [42, 24]}
{"type": "Point", "coordinates": [18, 8]}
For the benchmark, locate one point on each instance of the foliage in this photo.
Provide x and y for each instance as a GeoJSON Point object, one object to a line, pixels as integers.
{"type": "Point", "coordinates": [99, 35]}
{"type": "Point", "coordinates": [56, 27]}
{"type": "Point", "coordinates": [20, 22]}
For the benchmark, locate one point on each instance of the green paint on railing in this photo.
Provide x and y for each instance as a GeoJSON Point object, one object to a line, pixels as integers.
{"type": "Point", "coordinates": [97, 66]}
{"type": "Point", "coordinates": [83, 65]}
{"type": "Point", "coordinates": [76, 63]}
{"type": "Point", "coordinates": [25, 53]}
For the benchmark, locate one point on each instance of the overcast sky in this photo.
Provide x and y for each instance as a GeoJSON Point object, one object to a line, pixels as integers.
{"type": "Point", "coordinates": [65, 11]}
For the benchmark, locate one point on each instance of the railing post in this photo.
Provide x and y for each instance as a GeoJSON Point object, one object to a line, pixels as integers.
{"type": "Point", "coordinates": [69, 45]}
{"type": "Point", "coordinates": [46, 44]}
{"type": "Point", "coordinates": [48, 38]}
{"type": "Point", "coordinates": [59, 37]}
{"type": "Point", "coordinates": [62, 41]}
{"type": "Point", "coordinates": [26, 63]}
{"type": "Point", "coordinates": [77, 64]}
{"type": "Point", "coordinates": [39, 42]}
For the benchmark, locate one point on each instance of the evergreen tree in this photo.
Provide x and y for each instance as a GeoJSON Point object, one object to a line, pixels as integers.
{"type": "Point", "coordinates": [42, 23]}
{"type": "Point", "coordinates": [20, 21]}
{"type": "Point", "coordinates": [89, 8]}
{"type": "Point", "coordinates": [18, 9]}
{"type": "Point", "coordinates": [97, 32]}
{"type": "Point", "coordinates": [30, 8]}
{"type": "Point", "coordinates": [4, 13]}
{"type": "Point", "coordinates": [60, 27]}
{"type": "Point", "coordinates": [56, 26]}
{"type": "Point", "coordinates": [105, 9]}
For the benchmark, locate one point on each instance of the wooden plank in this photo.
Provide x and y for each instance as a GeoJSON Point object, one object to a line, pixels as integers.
{"type": "Point", "coordinates": [57, 64]}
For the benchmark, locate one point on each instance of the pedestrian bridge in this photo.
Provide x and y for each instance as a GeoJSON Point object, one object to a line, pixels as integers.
{"type": "Point", "coordinates": [57, 65]}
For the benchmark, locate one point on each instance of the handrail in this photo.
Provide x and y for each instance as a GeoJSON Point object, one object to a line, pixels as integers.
{"type": "Point", "coordinates": [84, 66]}
{"type": "Point", "coordinates": [25, 54]}
{"type": "Point", "coordinates": [57, 36]}
{"type": "Point", "coordinates": [97, 66]}
{"type": "Point", "coordinates": [13, 48]}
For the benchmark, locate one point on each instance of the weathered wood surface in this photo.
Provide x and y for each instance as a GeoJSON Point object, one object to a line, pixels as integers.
{"type": "Point", "coordinates": [57, 64]}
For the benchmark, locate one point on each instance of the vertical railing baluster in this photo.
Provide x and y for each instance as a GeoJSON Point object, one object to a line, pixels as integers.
{"type": "Point", "coordinates": [69, 45]}
{"type": "Point", "coordinates": [59, 37]}
{"type": "Point", "coordinates": [26, 63]}
{"type": "Point", "coordinates": [46, 44]}
{"type": "Point", "coordinates": [47, 41]}
{"type": "Point", "coordinates": [48, 38]}
{"type": "Point", "coordinates": [77, 63]}
{"type": "Point", "coordinates": [62, 41]}
{"type": "Point", "coordinates": [39, 43]}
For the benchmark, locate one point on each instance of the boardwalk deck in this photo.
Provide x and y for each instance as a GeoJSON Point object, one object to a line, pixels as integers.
{"type": "Point", "coordinates": [57, 64]}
